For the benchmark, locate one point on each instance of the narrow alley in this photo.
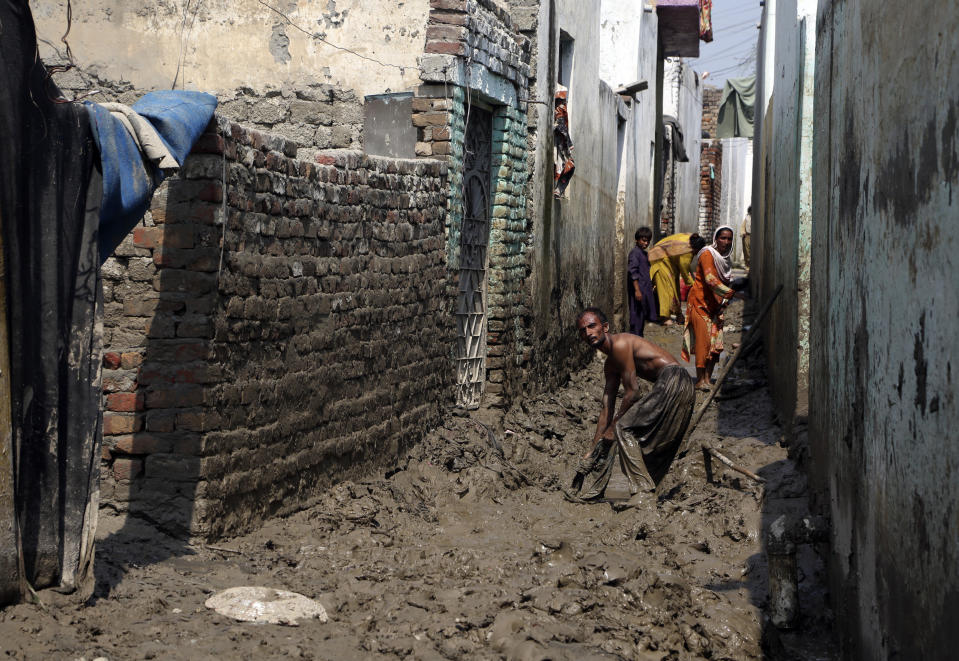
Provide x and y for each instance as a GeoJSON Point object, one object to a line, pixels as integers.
{"type": "Point", "coordinates": [463, 552]}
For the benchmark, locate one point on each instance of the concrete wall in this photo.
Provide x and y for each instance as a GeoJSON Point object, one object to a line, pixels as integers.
{"type": "Point", "coordinates": [573, 239]}
{"type": "Point", "coordinates": [262, 311]}
{"type": "Point", "coordinates": [264, 69]}
{"type": "Point", "coordinates": [628, 54]}
{"type": "Point", "coordinates": [762, 127]}
{"type": "Point", "coordinates": [737, 190]}
{"type": "Point", "coordinates": [782, 230]}
{"type": "Point", "coordinates": [682, 98]}
{"type": "Point", "coordinates": [883, 401]}
{"type": "Point", "coordinates": [222, 46]}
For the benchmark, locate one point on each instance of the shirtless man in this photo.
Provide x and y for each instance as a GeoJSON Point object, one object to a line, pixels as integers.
{"type": "Point", "coordinates": [645, 436]}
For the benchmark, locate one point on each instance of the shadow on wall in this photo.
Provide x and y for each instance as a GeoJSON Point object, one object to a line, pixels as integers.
{"type": "Point", "coordinates": [241, 382]}
{"type": "Point", "coordinates": [155, 379]}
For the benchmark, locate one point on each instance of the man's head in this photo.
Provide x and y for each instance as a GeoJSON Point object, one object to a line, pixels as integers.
{"type": "Point", "coordinates": [643, 236]}
{"type": "Point", "coordinates": [593, 326]}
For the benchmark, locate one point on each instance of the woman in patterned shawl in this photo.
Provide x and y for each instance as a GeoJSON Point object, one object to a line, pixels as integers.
{"type": "Point", "coordinates": [712, 290]}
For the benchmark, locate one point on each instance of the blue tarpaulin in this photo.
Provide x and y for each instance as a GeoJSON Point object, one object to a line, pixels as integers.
{"type": "Point", "coordinates": [179, 117]}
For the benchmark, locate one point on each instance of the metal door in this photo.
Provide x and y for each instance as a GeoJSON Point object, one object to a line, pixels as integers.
{"type": "Point", "coordinates": [474, 256]}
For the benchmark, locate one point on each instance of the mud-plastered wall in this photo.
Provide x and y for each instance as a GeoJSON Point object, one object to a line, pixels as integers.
{"type": "Point", "coordinates": [782, 226]}
{"type": "Point", "coordinates": [293, 68]}
{"type": "Point", "coordinates": [272, 326]}
{"type": "Point", "coordinates": [370, 46]}
{"type": "Point", "coordinates": [573, 239]}
{"type": "Point", "coordinates": [884, 366]}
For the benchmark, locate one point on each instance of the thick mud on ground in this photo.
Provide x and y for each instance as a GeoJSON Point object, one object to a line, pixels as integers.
{"type": "Point", "coordinates": [468, 553]}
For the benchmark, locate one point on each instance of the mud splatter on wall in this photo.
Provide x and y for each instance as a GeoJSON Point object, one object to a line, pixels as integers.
{"type": "Point", "coordinates": [883, 322]}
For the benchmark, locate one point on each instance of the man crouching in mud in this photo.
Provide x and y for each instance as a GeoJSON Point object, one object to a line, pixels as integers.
{"type": "Point", "coordinates": [645, 434]}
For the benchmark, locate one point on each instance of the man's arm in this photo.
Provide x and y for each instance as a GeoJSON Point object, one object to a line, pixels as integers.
{"type": "Point", "coordinates": [630, 383]}
{"type": "Point", "coordinates": [609, 405]}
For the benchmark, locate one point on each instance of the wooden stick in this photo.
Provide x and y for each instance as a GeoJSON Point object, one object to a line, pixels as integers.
{"type": "Point", "coordinates": [732, 361]}
{"type": "Point", "coordinates": [706, 447]}
{"type": "Point", "coordinates": [726, 460]}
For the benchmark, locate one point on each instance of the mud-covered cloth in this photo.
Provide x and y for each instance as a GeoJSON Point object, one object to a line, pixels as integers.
{"type": "Point", "coordinates": [647, 438]}
{"type": "Point", "coordinates": [49, 209]}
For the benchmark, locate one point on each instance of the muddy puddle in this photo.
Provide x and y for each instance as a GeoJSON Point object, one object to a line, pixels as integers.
{"type": "Point", "coordinates": [465, 551]}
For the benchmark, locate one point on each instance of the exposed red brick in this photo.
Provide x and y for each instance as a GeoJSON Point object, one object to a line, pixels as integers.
{"type": "Point", "coordinates": [127, 468]}
{"type": "Point", "coordinates": [446, 47]}
{"type": "Point", "coordinates": [449, 5]}
{"type": "Point", "coordinates": [449, 33]}
{"type": "Point", "coordinates": [183, 397]}
{"type": "Point", "coordinates": [440, 118]}
{"type": "Point", "coordinates": [141, 443]}
{"type": "Point", "coordinates": [208, 144]}
{"type": "Point", "coordinates": [130, 360]}
{"type": "Point", "coordinates": [449, 18]}
{"type": "Point", "coordinates": [125, 402]}
{"type": "Point", "coordinates": [118, 423]}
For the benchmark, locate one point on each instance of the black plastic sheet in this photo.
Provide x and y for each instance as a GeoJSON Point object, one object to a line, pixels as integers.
{"type": "Point", "coordinates": [50, 251]}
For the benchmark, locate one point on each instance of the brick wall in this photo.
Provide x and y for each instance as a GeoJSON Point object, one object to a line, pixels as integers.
{"type": "Point", "coordinates": [711, 98]}
{"type": "Point", "coordinates": [710, 186]}
{"type": "Point", "coordinates": [483, 33]}
{"type": "Point", "coordinates": [509, 311]}
{"type": "Point", "coordinates": [317, 116]}
{"type": "Point", "coordinates": [273, 324]}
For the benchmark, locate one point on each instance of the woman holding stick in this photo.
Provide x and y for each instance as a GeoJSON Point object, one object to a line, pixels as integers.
{"type": "Point", "coordinates": [712, 291]}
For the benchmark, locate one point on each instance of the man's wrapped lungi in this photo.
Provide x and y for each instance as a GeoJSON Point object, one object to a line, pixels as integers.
{"type": "Point", "coordinates": [647, 437]}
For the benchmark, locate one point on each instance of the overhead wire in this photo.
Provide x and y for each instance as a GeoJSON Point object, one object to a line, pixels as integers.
{"type": "Point", "coordinates": [737, 27]}
{"type": "Point", "coordinates": [736, 46]}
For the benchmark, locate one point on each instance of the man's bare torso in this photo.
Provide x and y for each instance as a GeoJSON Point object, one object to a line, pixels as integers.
{"type": "Point", "coordinates": [648, 358]}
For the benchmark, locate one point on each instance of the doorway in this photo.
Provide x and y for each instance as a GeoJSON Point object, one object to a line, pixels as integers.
{"type": "Point", "coordinates": [471, 309]}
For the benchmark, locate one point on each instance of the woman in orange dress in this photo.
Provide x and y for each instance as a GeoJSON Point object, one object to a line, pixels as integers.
{"type": "Point", "coordinates": [711, 292]}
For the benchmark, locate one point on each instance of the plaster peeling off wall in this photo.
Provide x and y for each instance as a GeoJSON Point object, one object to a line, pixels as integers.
{"type": "Point", "coordinates": [783, 235]}
{"type": "Point", "coordinates": [223, 45]}
{"type": "Point", "coordinates": [885, 371]}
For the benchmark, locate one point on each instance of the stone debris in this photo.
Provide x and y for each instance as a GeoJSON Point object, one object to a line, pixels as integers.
{"type": "Point", "coordinates": [266, 606]}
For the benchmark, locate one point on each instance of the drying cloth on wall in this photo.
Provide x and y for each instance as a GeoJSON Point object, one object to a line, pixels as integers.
{"type": "Point", "coordinates": [678, 143]}
{"type": "Point", "coordinates": [706, 20]}
{"type": "Point", "coordinates": [49, 197]}
{"type": "Point", "coordinates": [130, 175]}
{"type": "Point", "coordinates": [147, 140]}
{"type": "Point", "coordinates": [736, 108]}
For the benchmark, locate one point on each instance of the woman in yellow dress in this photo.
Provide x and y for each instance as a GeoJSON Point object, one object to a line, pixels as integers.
{"type": "Point", "coordinates": [669, 261]}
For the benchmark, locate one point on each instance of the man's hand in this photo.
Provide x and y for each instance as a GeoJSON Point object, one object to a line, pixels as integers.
{"type": "Point", "coordinates": [638, 295]}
